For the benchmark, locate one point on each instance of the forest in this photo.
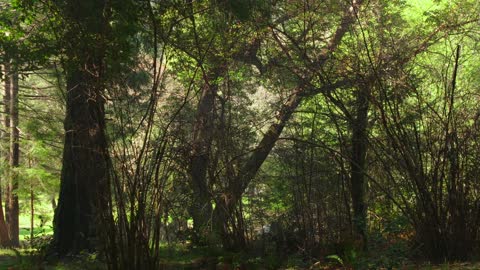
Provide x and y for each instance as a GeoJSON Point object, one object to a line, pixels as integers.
{"type": "Point", "coordinates": [239, 134]}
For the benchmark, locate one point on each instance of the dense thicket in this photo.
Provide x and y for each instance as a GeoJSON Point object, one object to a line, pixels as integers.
{"type": "Point", "coordinates": [308, 127]}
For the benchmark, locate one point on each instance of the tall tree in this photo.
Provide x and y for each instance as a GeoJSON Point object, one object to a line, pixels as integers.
{"type": "Point", "coordinates": [203, 134]}
{"type": "Point", "coordinates": [6, 125]}
{"type": "Point", "coordinates": [14, 161]}
{"type": "Point", "coordinates": [304, 88]}
{"type": "Point", "coordinates": [4, 236]}
{"type": "Point", "coordinates": [358, 162]}
{"type": "Point", "coordinates": [84, 179]}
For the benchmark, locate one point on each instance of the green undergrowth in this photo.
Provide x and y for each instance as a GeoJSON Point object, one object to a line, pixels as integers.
{"type": "Point", "coordinates": [28, 259]}
{"type": "Point", "coordinates": [182, 257]}
{"type": "Point", "coordinates": [8, 258]}
{"type": "Point", "coordinates": [15, 258]}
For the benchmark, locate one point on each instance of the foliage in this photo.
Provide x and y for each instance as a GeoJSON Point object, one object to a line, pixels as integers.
{"type": "Point", "coordinates": [269, 132]}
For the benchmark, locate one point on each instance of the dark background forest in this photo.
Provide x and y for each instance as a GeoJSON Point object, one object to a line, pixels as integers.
{"type": "Point", "coordinates": [239, 134]}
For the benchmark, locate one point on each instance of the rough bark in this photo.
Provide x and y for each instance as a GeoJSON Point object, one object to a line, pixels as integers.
{"type": "Point", "coordinates": [4, 237]}
{"type": "Point", "coordinates": [84, 179]}
{"type": "Point", "coordinates": [84, 171]}
{"type": "Point", "coordinates": [13, 209]}
{"type": "Point", "coordinates": [201, 207]}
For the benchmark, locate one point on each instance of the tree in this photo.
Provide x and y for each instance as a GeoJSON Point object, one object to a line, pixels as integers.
{"type": "Point", "coordinates": [305, 87]}
{"type": "Point", "coordinates": [14, 162]}
{"type": "Point", "coordinates": [4, 235]}
{"type": "Point", "coordinates": [84, 190]}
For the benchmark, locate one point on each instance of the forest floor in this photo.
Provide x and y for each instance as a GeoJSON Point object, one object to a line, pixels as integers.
{"type": "Point", "coordinates": [24, 259]}
{"type": "Point", "coordinates": [9, 262]}
{"type": "Point", "coordinates": [9, 259]}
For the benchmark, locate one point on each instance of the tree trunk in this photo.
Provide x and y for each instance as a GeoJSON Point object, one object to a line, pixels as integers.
{"type": "Point", "coordinates": [14, 163]}
{"type": "Point", "coordinates": [201, 208]}
{"type": "Point", "coordinates": [84, 171]}
{"type": "Point", "coordinates": [4, 237]}
{"type": "Point", "coordinates": [6, 138]}
{"type": "Point", "coordinates": [358, 165]}
{"type": "Point", "coordinates": [32, 214]}
{"type": "Point", "coordinates": [32, 206]}
{"type": "Point", "coordinates": [84, 188]}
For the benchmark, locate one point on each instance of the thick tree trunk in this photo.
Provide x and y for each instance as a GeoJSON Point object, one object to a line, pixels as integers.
{"type": "Point", "coordinates": [13, 209]}
{"type": "Point", "coordinates": [358, 165]}
{"type": "Point", "coordinates": [201, 208]}
{"type": "Point", "coordinates": [84, 188]}
{"type": "Point", "coordinates": [84, 171]}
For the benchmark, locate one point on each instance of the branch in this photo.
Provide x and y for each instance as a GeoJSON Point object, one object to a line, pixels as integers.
{"type": "Point", "coordinates": [250, 168]}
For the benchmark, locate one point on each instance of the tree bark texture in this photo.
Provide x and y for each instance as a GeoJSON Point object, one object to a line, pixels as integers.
{"type": "Point", "coordinates": [84, 171]}
{"type": "Point", "coordinates": [201, 208]}
{"type": "Point", "coordinates": [4, 237]}
{"type": "Point", "coordinates": [84, 184]}
{"type": "Point", "coordinates": [13, 208]}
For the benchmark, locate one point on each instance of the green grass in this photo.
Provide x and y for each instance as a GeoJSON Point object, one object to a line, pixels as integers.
{"type": "Point", "coordinates": [25, 232]}
{"type": "Point", "coordinates": [43, 214]}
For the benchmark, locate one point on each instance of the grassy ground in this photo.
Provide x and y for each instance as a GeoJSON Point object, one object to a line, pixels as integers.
{"type": "Point", "coordinates": [43, 218]}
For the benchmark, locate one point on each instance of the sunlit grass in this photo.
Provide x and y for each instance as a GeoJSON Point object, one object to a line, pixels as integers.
{"type": "Point", "coordinates": [42, 222]}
